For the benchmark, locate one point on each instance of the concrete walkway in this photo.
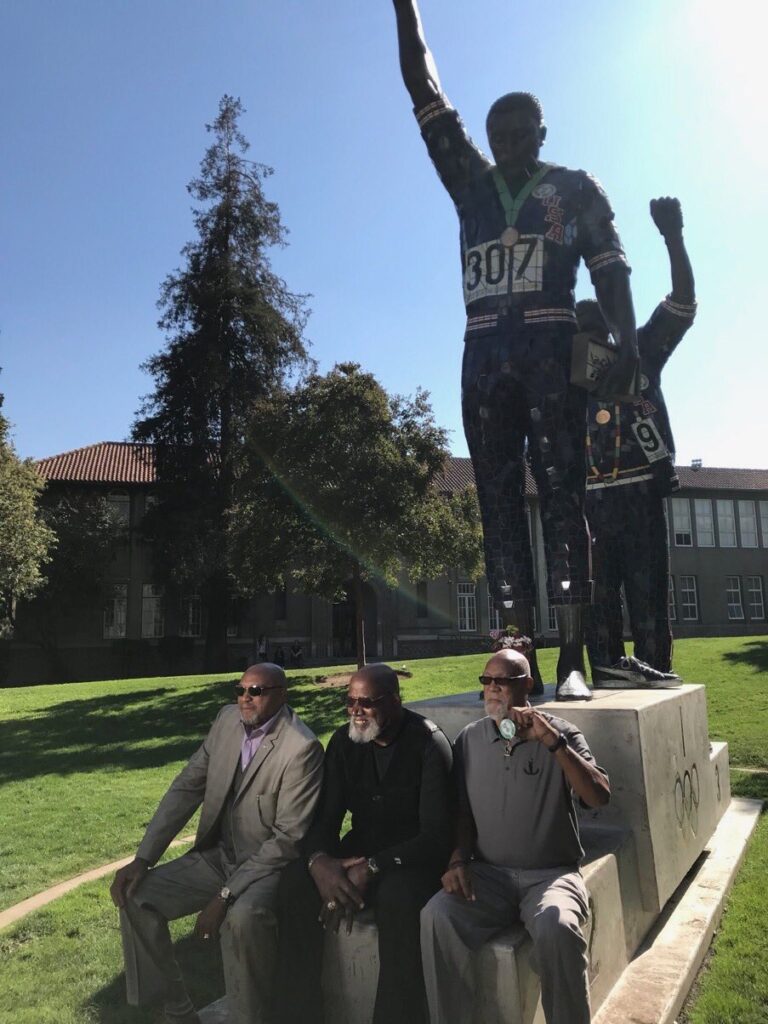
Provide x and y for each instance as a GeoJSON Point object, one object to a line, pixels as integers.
{"type": "Point", "coordinates": [40, 899]}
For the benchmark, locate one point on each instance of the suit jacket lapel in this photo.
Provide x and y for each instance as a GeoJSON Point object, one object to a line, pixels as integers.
{"type": "Point", "coordinates": [261, 754]}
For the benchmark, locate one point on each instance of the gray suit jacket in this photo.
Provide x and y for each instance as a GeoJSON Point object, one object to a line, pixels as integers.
{"type": "Point", "coordinates": [274, 805]}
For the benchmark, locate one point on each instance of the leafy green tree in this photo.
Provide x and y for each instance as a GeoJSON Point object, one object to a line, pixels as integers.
{"type": "Point", "coordinates": [339, 486]}
{"type": "Point", "coordinates": [86, 531]}
{"type": "Point", "coordinates": [234, 335]}
{"type": "Point", "coordinates": [26, 541]}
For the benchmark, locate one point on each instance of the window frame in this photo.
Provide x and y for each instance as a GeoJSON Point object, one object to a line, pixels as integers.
{"type": "Point", "coordinates": [466, 607]}
{"type": "Point", "coordinates": [720, 517]}
{"type": "Point", "coordinates": [113, 598]}
{"type": "Point", "coordinates": [761, 590]}
{"type": "Point", "coordinates": [699, 512]}
{"type": "Point", "coordinates": [744, 504]}
{"type": "Point", "coordinates": [684, 592]}
{"type": "Point", "coordinates": [157, 595]}
{"type": "Point", "coordinates": [734, 599]}
{"type": "Point", "coordinates": [677, 507]}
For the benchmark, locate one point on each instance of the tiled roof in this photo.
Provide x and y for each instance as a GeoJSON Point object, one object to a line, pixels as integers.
{"type": "Point", "coordinates": [120, 462]}
{"type": "Point", "coordinates": [713, 478]}
{"type": "Point", "coordinates": [110, 462]}
{"type": "Point", "coordinates": [459, 474]}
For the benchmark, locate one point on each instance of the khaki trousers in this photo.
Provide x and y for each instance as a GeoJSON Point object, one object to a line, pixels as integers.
{"type": "Point", "coordinates": [248, 936]}
{"type": "Point", "coordinates": [552, 904]}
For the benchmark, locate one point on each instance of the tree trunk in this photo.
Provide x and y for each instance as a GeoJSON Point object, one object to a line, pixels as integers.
{"type": "Point", "coordinates": [359, 615]}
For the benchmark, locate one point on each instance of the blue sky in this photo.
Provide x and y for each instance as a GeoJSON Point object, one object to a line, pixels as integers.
{"type": "Point", "coordinates": [104, 113]}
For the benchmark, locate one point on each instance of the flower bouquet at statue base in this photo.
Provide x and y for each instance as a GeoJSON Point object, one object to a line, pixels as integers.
{"type": "Point", "coordinates": [511, 639]}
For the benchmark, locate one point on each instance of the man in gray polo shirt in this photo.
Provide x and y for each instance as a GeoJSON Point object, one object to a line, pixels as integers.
{"type": "Point", "coordinates": [518, 850]}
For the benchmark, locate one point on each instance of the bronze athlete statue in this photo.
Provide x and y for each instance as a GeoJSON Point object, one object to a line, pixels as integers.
{"type": "Point", "coordinates": [525, 225]}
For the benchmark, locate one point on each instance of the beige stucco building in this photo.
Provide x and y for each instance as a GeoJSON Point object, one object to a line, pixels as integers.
{"type": "Point", "coordinates": [718, 526]}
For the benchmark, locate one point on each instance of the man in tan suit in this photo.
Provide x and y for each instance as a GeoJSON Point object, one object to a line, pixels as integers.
{"type": "Point", "coordinates": [257, 775]}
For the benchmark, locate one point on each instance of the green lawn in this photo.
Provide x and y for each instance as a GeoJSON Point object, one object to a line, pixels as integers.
{"type": "Point", "coordinates": [82, 766]}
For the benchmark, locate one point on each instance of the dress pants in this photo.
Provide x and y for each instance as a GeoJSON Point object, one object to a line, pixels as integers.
{"type": "Point", "coordinates": [629, 546]}
{"type": "Point", "coordinates": [397, 898]}
{"type": "Point", "coordinates": [248, 936]}
{"type": "Point", "coordinates": [553, 905]}
{"type": "Point", "coordinates": [517, 402]}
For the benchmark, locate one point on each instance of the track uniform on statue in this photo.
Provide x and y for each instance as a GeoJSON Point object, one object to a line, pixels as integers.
{"type": "Point", "coordinates": [630, 455]}
{"type": "Point", "coordinates": [519, 261]}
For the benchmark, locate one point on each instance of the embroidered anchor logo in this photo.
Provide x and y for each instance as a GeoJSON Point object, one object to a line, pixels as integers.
{"type": "Point", "coordinates": [529, 769]}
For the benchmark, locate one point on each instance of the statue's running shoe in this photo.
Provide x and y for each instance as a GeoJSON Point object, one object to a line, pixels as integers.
{"type": "Point", "coordinates": [630, 673]}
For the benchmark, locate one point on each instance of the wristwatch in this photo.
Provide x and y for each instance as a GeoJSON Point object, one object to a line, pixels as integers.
{"type": "Point", "coordinates": [561, 741]}
{"type": "Point", "coordinates": [373, 866]}
{"type": "Point", "coordinates": [227, 895]}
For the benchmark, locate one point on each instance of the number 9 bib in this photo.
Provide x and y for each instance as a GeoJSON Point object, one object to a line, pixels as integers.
{"type": "Point", "coordinates": [649, 439]}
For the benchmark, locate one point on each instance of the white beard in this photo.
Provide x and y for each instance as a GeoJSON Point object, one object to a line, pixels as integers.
{"type": "Point", "coordinates": [366, 735]}
{"type": "Point", "coordinates": [495, 709]}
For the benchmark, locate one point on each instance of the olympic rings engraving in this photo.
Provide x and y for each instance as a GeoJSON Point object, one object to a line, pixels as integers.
{"type": "Point", "coordinates": [686, 794]}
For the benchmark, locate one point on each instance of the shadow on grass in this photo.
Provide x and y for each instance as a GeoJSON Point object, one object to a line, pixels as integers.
{"type": "Point", "coordinates": [750, 784]}
{"type": "Point", "coordinates": [753, 653]}
{"type": "Point", "coordinates": [140, 729]}
{"type": "Point", "coordinates": [202, 973]}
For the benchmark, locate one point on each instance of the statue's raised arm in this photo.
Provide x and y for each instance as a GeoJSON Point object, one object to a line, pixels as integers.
{"type": "Point", "coordinates": [416, 61]}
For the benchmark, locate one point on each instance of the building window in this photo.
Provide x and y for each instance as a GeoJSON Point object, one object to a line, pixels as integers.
{"type": "Point", "coordinates": [748, 524]}
{"type": "Point", "coordinates": [764, 522]}
{"type": "Point", "coordinates": [755, 600]}
{"type": "Point", "coordinates": [421, 600]}
{"type": "Point", "coordinates": [467, 608]}
{"type": "Point", "coordinates": [281, 603]}
{"type": "Point", "coordinates": [681, 522]}
{"type": "Point", "coordinates": [689, 599]}
{"type": "Point", "coordinates": [552, 618]}
{"type": "Point", "coordinates": [671, 604]}
{"type": "Point", "coordinates": [152, 612]}
{"type": "Point", "coordinates": [726, 523]}
{"type": "Point", "coordinates": [120, 503]}
{"type": "Point", "coordinates": [733, 597]}
{"type": "Point", "coordinates": [116, 612]}
{"type": "Point", "coordinates": [705, 525]}
{"type": "Point", "coordinates": [494, 618]}
{"type": "Point", "coordinates": [191, 619]}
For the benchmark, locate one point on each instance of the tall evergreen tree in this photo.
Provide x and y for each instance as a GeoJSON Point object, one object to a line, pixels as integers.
{"type": "Point", "coordinates": [234, 334]}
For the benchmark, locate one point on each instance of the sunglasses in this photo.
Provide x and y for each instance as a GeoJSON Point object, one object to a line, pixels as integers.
{"type": "Point", "coordinates": [255, 691]}
{"type": "Point", "coordinates": [364, 702]}
{"type": "Point", "coordinates": [499, 680]}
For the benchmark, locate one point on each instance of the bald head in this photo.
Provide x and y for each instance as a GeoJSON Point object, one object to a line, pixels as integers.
{"type": "Point", "coordinates": [271, 674]}
{"type": "Point", "coordinates": [508, 663]}
{"type": "Point", "coordinates": [382, 677]}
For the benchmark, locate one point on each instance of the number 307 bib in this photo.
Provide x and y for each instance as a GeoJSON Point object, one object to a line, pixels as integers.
{"type": "Point", "coordinates": [496, 269]}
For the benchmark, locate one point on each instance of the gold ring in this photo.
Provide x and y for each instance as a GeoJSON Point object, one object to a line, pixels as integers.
{"type": "Point", "coordinates": [330, 905]}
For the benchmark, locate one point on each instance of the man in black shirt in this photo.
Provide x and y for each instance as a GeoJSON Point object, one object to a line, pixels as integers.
{"type": "Point", "coordinates": [630, 470]}
{"type": "Point", "coordinates": [390, 767]}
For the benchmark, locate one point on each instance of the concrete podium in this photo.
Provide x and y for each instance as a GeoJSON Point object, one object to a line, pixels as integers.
{"type": "Point", "coordinates": [670, 789]}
